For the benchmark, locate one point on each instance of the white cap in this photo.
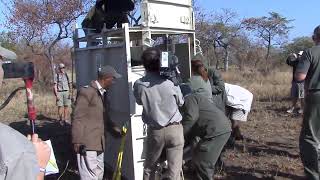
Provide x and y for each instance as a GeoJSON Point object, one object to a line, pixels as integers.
{"type": "Point", "coordinates": [7, 53]}
{"type": "Point", "coordinates": [300, 53]}
{"type": "Point", "coordinates": [61, 65]}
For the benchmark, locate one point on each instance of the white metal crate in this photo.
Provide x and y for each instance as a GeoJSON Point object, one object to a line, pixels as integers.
{"type": "Point", "coordinates": [169, 14]}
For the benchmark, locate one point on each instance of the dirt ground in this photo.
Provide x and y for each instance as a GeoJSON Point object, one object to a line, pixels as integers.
{"type": "Point", "coordinates": [270, 150]}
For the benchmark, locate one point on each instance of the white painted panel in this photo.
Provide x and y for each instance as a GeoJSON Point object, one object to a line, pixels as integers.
{"type": "Point", "coordinates": [137, 128]}
{"type": "Point", "coordinates": [167, 16]}
{"type": "Point", "coordinates": [182, 2]}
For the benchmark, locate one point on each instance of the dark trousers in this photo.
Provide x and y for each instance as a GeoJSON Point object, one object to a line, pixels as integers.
{"type": "Point", "coordinates": [206, 155]}
{"type": "Point", "coordinates": [310, 136]}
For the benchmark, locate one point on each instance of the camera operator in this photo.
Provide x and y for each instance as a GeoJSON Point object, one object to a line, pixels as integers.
{"type": "Point", "coordinates": [297, 87]}
{"type": "Point", "coordinates": [160, 99]}
{"type": "Point", "coordinates": [20, 157]}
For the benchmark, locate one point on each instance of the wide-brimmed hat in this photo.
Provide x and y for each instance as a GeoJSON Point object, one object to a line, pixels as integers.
{"type": "Point", "coordinates": [7, 54]}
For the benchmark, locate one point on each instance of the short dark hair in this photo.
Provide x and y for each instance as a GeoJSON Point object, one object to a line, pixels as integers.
{"type": "Point", "coordinates": [151, 59]}
{"type": "Point", "coordinates": [316, 33]}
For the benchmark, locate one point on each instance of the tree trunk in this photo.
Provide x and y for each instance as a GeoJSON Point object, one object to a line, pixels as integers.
{"type": "Point", "coordinates": [226, 60]}
{"type": "Point", "coordinates": [268, 53]}
{"type": "Point", "coordinates": [50, 59]}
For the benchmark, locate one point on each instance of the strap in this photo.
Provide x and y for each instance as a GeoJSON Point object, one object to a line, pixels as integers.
{"type": "Point", "coordinates": [67, 78]}
{"type": "Point", "coordinates": [58, 78]}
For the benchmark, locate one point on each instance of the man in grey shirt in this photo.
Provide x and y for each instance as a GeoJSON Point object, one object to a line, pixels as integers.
{"type": "Point", "coordinates": [160, 99]}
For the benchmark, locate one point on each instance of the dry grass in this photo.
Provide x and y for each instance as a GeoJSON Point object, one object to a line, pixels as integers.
{"type": "Point", "coordinates": [271, 150]}
{"type": "Point", "coordinates": [17, 108]}
{"type": "Point", "coordinates": [270, 87]}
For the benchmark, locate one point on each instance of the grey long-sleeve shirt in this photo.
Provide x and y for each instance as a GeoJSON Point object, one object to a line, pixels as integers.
{"type": "Point", "coordinates": [18, 159]}
{"type": "Point", "coordinates": [160, 99]}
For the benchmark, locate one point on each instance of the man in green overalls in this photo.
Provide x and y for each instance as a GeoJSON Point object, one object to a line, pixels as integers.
{"type": "Point", "coordinates": [201, 118]}
{"type": "Point", "coordinates": [308, 69]}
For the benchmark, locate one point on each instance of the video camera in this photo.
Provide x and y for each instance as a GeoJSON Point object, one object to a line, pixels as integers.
{"type": "Point", "coordinates": [18, 69]}
{"type": "Point", "coordinates": [169, 67]}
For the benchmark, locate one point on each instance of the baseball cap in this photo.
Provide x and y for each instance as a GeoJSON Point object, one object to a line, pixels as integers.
{"type": "Point", "coordinates": [5, 53]}
{"type": "Point", "coordinates": [109, 70]}
{"type": "Point", "coordinates": [61, 65]}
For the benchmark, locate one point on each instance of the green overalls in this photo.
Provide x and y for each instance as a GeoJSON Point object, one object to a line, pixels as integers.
{"type": "Point", "coordinates": [201, 118]}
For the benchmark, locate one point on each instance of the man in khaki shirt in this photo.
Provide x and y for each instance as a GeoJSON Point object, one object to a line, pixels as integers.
{"type": "Point", "coordinates": [62, 87]}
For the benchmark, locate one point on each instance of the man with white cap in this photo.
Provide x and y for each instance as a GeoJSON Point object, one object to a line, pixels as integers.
{"type": "Point", "coordinates": [62, 87]}
{"type": "Point", "coordinates": [297, 87]}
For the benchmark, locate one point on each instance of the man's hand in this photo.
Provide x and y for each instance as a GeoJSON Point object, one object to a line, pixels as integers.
{"type": "Point", "coordinates": [118, 131]}
{"type": "Point", "coordinates": [42, 150]}
{"type": "Point", "coordinates": [76, 148]}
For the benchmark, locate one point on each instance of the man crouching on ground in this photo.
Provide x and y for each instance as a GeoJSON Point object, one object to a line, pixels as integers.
{"type": "Point", "coordinates": [160, 99]}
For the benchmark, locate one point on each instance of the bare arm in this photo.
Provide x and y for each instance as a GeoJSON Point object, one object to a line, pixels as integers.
{"type": "Point", "coordinates": [300, 76]}
{"type": "Point", "coordinates": [55, 89]}
{"type": "Point", "coordinates": [303, 67]}
{"type": "Point", "coordinates": [42, 152]}
{"type": "Point", "coordinates": [55, 85]}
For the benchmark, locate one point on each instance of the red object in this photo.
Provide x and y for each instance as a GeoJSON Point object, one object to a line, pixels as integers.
{"type": "Point", "coordinates": [30, 104]}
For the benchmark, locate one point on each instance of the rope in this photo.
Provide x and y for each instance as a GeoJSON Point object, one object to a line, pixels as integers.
{"type": "Point", "coordinates": [64, 171]}
{"type": "Point", "coordinates": [117, 173]}
{"type": "Point", "coordinates": [6, 102]}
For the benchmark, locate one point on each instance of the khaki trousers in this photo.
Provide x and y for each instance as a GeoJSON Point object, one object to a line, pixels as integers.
{"type": "Point", "coordinates": [171, 140]}
{"type": "Point", "coordinates": [91, 166]}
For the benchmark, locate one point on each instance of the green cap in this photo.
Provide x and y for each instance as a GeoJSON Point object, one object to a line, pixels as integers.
{"type": "Point", "coordinates": [109, 71]}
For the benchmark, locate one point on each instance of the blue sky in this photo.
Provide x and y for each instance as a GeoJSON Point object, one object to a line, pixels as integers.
{"type": "Point", "coordinates": [305, 13]}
